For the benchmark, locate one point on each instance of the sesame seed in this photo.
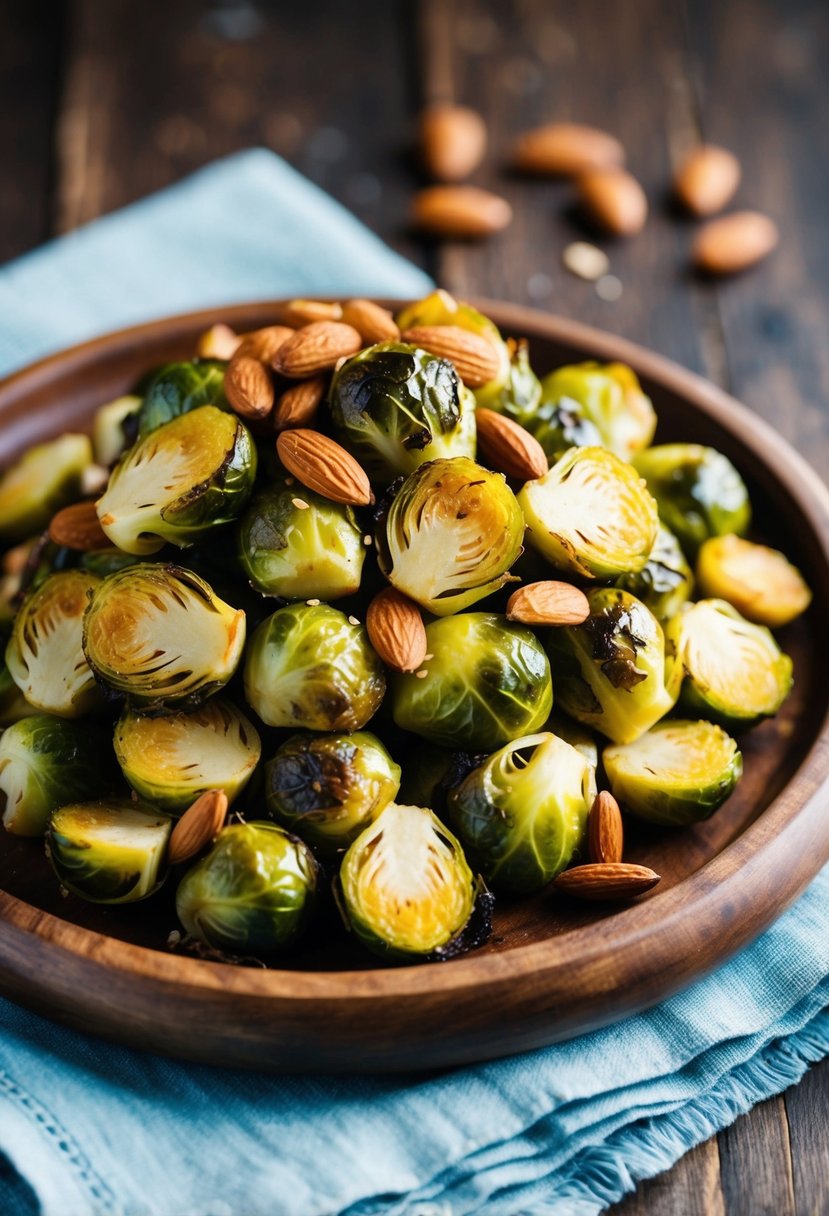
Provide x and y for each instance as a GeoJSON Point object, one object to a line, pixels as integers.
{"type": "Point", "coordinates": [352, 620]}
{"type": "Point", "coordinates": [312, 603]}
{"type": "Point", "coordinates": [422, 674]}
{"type": "Point", "coordinates": [300, 504]}
{"type": "Point", "coordinates": [366, 540]}
{"type": "Point", "coordinates": [585, 261]}
{"type": "Point", "coordinates": [428, 656]}
{"type": "Point", "coordinates": [289, 481]}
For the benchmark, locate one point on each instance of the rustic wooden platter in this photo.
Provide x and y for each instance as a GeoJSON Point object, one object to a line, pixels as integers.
{"type": "Point", "coordinates": [553, 968]}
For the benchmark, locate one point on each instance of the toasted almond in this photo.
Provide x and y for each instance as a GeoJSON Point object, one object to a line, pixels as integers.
{"type": "Point", "coordinates": [396, 630]}
{"type": "Point", "coordinates": [316, 348]}
{"type": "Point", "coordinates": [264, 343]}
{"type": "Point", "coordinates": [548, 603]}
{"type": "Point", "coordinates": [475, 358]}
{"type": "Point", "coordinates": [465, 212]}
{"type": "Point", "coordinates": [452, 141]}
{"type": "Point", "coordinates": [614, 199]}
{"type": "Point", "coordinates": [218, 342]}
{"type": "Point", "coordinates": [373, 323]}
{"type": "Point", "coordinates": [606, 881]}
{"type": "Point", "coordinates": [734, 242]}
{"type": "Point", "coordinates": [707, 179]}
{"type": "Point", "coordinates": [78, 527]}
{"type": "Point", "coordinates": [605, 835]}
{"type": "Point", "coordinates": [508, 448]}
{"type": "Point", "coordinates": [249, 387]}
{"type": "Point", "coordinates": [565, 149]}
{"type": "Point", "coordinates": [298, 405]}
{"type": "Point", "coordinates": [322, 465]}
{"type": "Point", "coordinates": [198, 827]}
{"type": "Point", "coordinates": [304, 312]}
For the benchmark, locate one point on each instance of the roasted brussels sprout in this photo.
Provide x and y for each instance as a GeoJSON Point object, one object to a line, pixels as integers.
{"type": "Point", "coordinates": [518, 394]}
{"type": "Point", "coordinates": [109, 852]}
{"type": "Point", "coordinates": [676, 774]}
{"type": "Point", "coordinates": [170, 760]}
{"type": "Point", "coordinates": [436, 771]}
{"type": "Point", "coordinates": [761, 583]}
{"type": "Point", "coordinates": [450, 535]}
{"type": "Point", "coordinates": [609, 395]}
{"type": "Point", "coordinates": [109, 436]}
{"type": "Point", "coordinates": [591, 515]}
{"type": "Point", "coordinates": [610, 671]}
{"type": "Point", "coordinates": [46, 477]}
{"type": "Point", "coordinates": [300, 545]}
{"type": "Point", "coordinates": [310, 667]}
{"type": "Point", "coordinates": [734, 672]}
{"type": "Point", "coordinates": [185, 477]}
{"type": "Point", "coordinates": [45, 655]}
{"type": "Point", "coordinates": [253, 893]}
{"type": "Point", "coordinates": [487, 682]}
{"type": "Point", "coordinates": [561, 425]}
{"type": "Point", "coordinates": [13, 705]}
{"type": "Point", "coordinates": [162, 636]}
{"type": "Point", "coordinates": [521, 815]}
{"type": "Point", "coordinates": [45, 760]}
{"type": "Point", "coordinates": [178, 388]}
{"type": "Point", "coordinates": [328, 788]}
{"type": "Point", "coordinates": [665, 582]}
{"type": "Point", "coordinates": [395, 407]}
{"type": "Point", "coordinates": [698, 491]}
{"type": "Point", "coordinates": [575, 734]}
{"type": "Point", "coordinates": [407, 891]}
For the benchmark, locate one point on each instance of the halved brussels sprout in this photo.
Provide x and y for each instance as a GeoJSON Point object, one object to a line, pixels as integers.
{"type": "Point", "coordinates": [172, 759]}
{"type": "Point", "coordinates": [407, 891]}
{"type": "Point", "coordinates": [45, 654]}
{"type": "Point", "coordinates": [610, 396]}
{"type": "Point", "coordinates": [109, 852]}
{"type": "Point", "coordinates": [487, 682]}
{"type": "Point", "coordinates": [578, 736]}
{"type": "Point", "coordinates": [761, 583]}
{"type": "Point", "coordinates": [734, 672]}
{"type": "Point", "coordinates": [518, 394]}
{"type": "Point", "coordinates": [328, 788]}
{"type": "Point", "coordinates": [521, 815]}
{"type": "Point", "coordinates": [13, 705]}
{"type": "Point", "coordinates": [46, 477]}
{"type": "Point", "coordinates": [676, 774]}
{"type": "Point", "coordinates": [450, 535]}
{"type": "Point", "coordinates": [310, 667]}
{"type": "Point", "coordinates": [162, 636]}
{"type": "Point", "coordinates": [561, 425]}
{"type": "Point", "coordinates": [665, 582]}
{"type": "Point", "coordinates": [178, 388]}
{"type": "Point", "coordinates": [109, 438]}
{"type": "Point", "coordinates": [253, 893]}
{"type": "Point", "coordinates": [395, 407]}
{"type": "Point", "coordinates": [698, 491]}
{"type": "Point", "coordinates": [610, 671]}
{"type": "Point", "coordinates": [185, 477]}
{"type": "Point", "coordinates": [299, 545]}
{"type": "Point", "coordinates": [45, 760]}
{"type": "Point", "coordinates": [591, 515]}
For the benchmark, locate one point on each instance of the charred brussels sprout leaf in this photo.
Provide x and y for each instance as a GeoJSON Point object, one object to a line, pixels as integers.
{"type": "Point", "coordinates": [591, 515]}
{"type": "Point", "coordinates": [760, 583]}
{"type": "Point", "coordinates": [185, 477]}
{"type": "Point", "coordinates": [109, 852]}
{"type": "Point", "coordinates": [560, 425]}
{"type": "Point", "coordinates": [45, 478]}
{"type": "Point", "coordinates": [436, 771]}
{"type": "Point", "coordinates": [609, 395]}
{"type": "Point", "coordinates": [309, 667]}
{"type": "Point", "coordinates": [43, 762]}
{"type": "Point", "coordinates": [610, 671]}
{"type": "Point", "coordinates": [450, 535]}
{"type": "Point", "coordinates": [676, 774]}
{"type": "Point", "coordinates": [487, 682]}
{"type": "Point", "coordinates": [172, 759]}
{"type": "Point", "coordinates": [665, 582]}
{"type": "Point", "coordinates": [519, 393]}
{"type": "Point", "coordinates": [110, 425]}
{"type": "Point", "coordinates": [161, 635]}
{"type": "Point", "coordinates": [177, 389]}
{"type": "Point", "coordinates": [253, 893]}
{"type": "Point", "coordinates": [328, 788]}
{"type": "Point", "coordinates": [698, 491]}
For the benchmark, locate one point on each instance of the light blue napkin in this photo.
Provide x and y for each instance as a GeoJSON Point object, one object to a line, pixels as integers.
{"type": "Point", "coordinates": [95, 1130]}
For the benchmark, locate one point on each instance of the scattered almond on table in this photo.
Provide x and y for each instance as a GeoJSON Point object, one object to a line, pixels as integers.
{"type": "Point", "coordinates": [614, 200]}
{"type": "Point", "coordinates": [462, 212]}
{"type": "Point", "coordinates": [567, 149]}
{"type": "Point", "coordinates": [453, 141]}
{"type": "Point", "coordinates": [734, 242]}
{"type": "Point", "coordinates": [707, 179]}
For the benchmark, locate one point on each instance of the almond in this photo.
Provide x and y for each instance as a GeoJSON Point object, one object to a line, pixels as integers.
{"type": "Point", "coordinates": [452, 141]}
{"type": "Point", "coordinates": [606, 881]}
{"type": "Point", "coordinates": [707, 179]}
{"type": "Point", "coordinates": [298, 405]}
{"type": "Point", "coordinates": [316, 348]}
{"type": "Point", "coordinates": [264, 343]}
{"type": "Point", "coordinates": [605, 835]}
{"type": "Point", "coordinates": [322, 465]}
{"type": "Point", "coordinates": [373, 323]}
{"type": "Point", "coordinates": [249, 387]}
{"type": "Point", "coordinates": [734, 242]}
{"type": "Point", "coordinates": [396, 630]}
{"type": "Point", "coordinates": [218, 342]}
{"type": "Point", "coordinates": [303, 312]}
{"type": "Point", "coordinates": [475, 358]}
{"type": "Point", "coordinates": [566, 149]}
{"type": "Point", "coordinates": [465, 212]}
{"type": "Point", "coordinates": [198, 827]}
{"type": "Point", "coordinates": [548, 603]}
{"type": "Point", "coordinates": [508, 447]}
{"type": "Point", "coordinates": [614, 200]}
{"type": "Point", "coordinates": [78, 527]}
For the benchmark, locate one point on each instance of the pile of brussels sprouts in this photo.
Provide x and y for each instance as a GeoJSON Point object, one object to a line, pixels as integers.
{"type": "Point", "coordinates": [216, 641]}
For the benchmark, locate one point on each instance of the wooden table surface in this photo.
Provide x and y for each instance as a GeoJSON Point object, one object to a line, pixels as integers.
{"type": "Point", "coordinates": [103, 101]}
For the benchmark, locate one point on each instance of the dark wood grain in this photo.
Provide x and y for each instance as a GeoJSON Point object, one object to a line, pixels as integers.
{"type": "Point", "coordinates": [806, 1110]}
{"type": "Point", "coordinates": [691, 1188]}
{"type": "Point", "coordinates": [757, 1146]}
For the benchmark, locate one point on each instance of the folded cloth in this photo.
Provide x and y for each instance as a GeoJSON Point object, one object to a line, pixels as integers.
{"type": "Point", "coordinates": [96, 1130]}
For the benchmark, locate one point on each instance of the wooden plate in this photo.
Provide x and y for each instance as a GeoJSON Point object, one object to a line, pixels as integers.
{"type": "Point", "coordinates": [553, 969]}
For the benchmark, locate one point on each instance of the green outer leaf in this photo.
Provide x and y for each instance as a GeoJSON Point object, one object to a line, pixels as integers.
{"type": "Point", "coordinates": [665, 582]}
{"type": "Point", "coordinates": [177, 388]}
{"type": "Point", "coordinates": [610, 397]}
